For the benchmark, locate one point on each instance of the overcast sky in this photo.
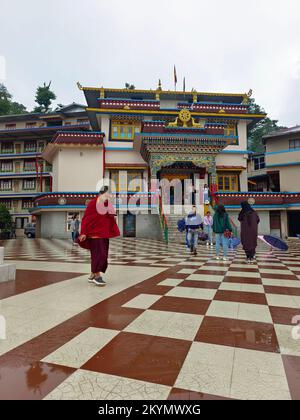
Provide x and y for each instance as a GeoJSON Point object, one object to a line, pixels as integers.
{"type": "Point", "coordinates": [218, 45]}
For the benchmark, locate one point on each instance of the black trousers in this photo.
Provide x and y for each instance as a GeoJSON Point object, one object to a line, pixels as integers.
{"type": "Point", "coordinates": [99, 254]}
{"type": "Point", "coordinates": [250, 254]}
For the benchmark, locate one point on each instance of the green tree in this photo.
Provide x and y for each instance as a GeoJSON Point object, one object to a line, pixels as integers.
{"type": "Point", "coordinates": [129, 86]}
{"type": "Point", "coordinates": [7, 106]}
{"type": "Point", "coordinates": [262, 128]}
{"type": "Point", "coordinates": [44, 97]}
{"type": "Point", "coordinates": [5, 222]}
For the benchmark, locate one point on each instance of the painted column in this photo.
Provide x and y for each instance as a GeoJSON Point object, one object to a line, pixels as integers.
{"type": "Point", "coordinates": [154, 183]}
{"type": "Point", "coordinates": [284, 224]}
{"type": "Point", "coordinates": [213, 179]}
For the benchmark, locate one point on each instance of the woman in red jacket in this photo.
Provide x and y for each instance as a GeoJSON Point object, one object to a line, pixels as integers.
{"type": "Point", "coordinates": [97, 227]}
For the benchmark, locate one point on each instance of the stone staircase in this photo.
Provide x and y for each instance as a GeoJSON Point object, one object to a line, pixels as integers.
{"type": "Point", "coordinates": [175, 214]}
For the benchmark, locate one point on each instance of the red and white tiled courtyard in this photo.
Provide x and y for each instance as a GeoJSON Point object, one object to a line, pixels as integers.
{"type": "Point", "coordinates": [166, 326]}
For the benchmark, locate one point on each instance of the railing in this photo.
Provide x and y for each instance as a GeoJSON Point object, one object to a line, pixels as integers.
{"type": "Point", "coordinates": [163, 221]}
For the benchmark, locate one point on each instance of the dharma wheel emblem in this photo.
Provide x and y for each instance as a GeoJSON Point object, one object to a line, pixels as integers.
{"type": "Point", "coordinates": [185, 115]}
{"type": "Point", "coordinates": [185, 120]}
{"type": "Point", "coordinates": [62, 201]}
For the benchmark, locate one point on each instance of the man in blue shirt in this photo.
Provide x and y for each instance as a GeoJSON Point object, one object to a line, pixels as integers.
{"type": "Point", "coordinates": [193, 225]}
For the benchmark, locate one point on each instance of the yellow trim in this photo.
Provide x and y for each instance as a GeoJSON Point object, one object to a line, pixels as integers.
{"type": "Point", "coordinates": [230, 170]}
{"type": "Point", "coordinates": [170, 92]}
{"type": "Point", "coordinates": [127, 167]}
{"type": "Point", "coordinates": [125, 111]}
{"type": "Point", "coordinates": [50, 116]}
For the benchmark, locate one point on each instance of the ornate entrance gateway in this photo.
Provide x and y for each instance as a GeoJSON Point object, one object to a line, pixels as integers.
{"type": "Point", "coordinates": [183, 141]}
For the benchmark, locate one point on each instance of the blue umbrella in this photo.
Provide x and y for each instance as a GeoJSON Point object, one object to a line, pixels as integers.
{"type": "Point", "coordinates": [235, 242]}
{"type": "Point", "coordinates": [275, 242]}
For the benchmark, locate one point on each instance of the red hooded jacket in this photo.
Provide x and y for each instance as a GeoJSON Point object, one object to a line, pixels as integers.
{"type": "Point", "coordinates": [98, 224]}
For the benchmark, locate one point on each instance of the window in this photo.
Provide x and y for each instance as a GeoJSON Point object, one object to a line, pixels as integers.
{"type": "Point", "coordinates": [29, 166]}
{"type": "Point", "coordinates": [259, 163]}
{"type": "Point", "coordinates": [29, 184]}
{"type": "Point", "coordinates": [26, 204]}
{"type": "Point", "coordinates": [30, 124]}
{"type": "Point", "coordinates": [21, 222]}
{"type": "Point", "coordinates": [7, 148]}
{"type": "Point", "coordinates": [295, 144]}
{"type": "Point", "coordinates": [5, 185]}
{"type": "Point", "coordinates": [6, 203]}
{"type": "Point", "coordinates": [230, 130]}
{"type": "Point", "coordinates": [30, 146]}
{"type": "Point", "coordinates": [228, 182]}
{"type": "Point", "coordinates": [10, 126]}
{"type": "Point", "coordinates": [41, 146]}
{"type": "Point", "coordinates": [124, 130]}
{"type": "Point", "coordinates": [134, 181]}
{"type": "Point", "coordinates": [6, 166]}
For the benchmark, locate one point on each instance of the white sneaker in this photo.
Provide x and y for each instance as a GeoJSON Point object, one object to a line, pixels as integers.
{"type": "Point", "coordinates": [218, 258]}
{"type": "Point", "coordinates": [211, 245]}
{"type": "Point", "coordinates": [207, 244]}
{"type": "Point", "coordinates": [225, 259]}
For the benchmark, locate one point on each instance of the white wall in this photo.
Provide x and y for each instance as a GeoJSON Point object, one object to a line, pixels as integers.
{"type": "Point", "coordinates": [78, 169]}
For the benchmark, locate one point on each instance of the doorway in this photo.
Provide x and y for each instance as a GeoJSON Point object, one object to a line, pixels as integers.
{"type": "Point", "coordinates": [294, 223]}
{"type": "Point", "coordinates": [129, 225]}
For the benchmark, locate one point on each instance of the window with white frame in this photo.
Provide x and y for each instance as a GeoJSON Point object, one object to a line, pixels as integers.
{"type": "Point", "coordinates": [6, 203]}
{"type": "Point", "coordinates": [7, 147]}
{"type": "Point", "coordinates": [29, 184]}
{"type": "Point", "coordinates": [29, 146]}
{"type": "Point", "coordinates": [259, 162]}
{"type": "Point", "coordinates": [6, 185]}
{"type": "Point", "coordinates": [6, 166]}
{"type": "Point", "coordinates": [27, 204]}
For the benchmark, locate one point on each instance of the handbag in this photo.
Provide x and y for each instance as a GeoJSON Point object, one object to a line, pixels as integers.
{"type": "Point", "coordinates": [227, 233]}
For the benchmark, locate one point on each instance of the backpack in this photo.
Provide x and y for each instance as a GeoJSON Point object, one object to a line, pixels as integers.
{"type": "Point", "coordinates": [181, 225]}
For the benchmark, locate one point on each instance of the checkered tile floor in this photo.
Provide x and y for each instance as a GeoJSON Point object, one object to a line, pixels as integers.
{"type": "Point", "coordinates": [122, 251]}
{"type": "Point", "coordinates": [166, 326]}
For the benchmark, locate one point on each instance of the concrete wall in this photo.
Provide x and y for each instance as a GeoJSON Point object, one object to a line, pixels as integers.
{"type": "Point", "coordinates": [53, 225]}
{"type": "Point", "coordinates": [283, 158]}
{"type": "Point", "coordinates": [264, 226]}
{"type": "Point", "coordinates": [275, 145]}
{"type": "Point", "coordinates": [290, 178]}
{"type": "Point", "coordinates": [148, 226]}
{"type": "Point", "coordinates": [124, 157]}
